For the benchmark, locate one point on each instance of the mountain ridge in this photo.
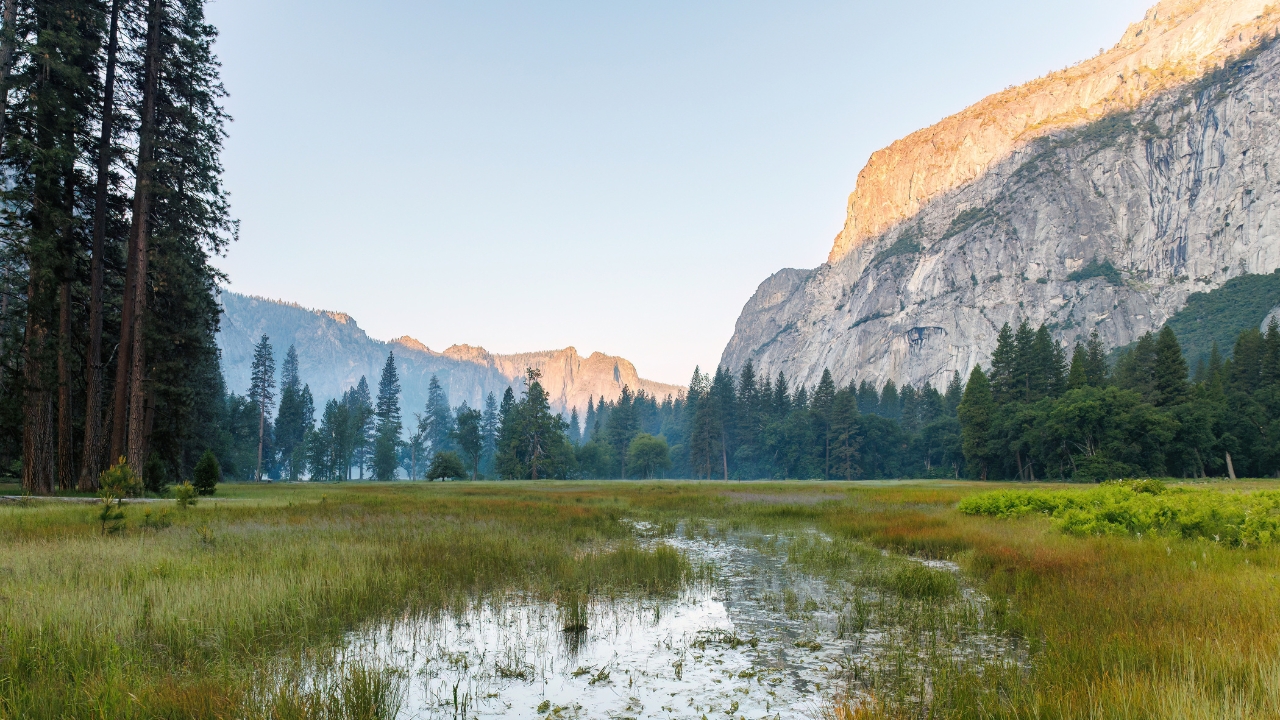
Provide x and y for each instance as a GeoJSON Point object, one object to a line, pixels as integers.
{"type": "Point", "coordinates": [334, 352]}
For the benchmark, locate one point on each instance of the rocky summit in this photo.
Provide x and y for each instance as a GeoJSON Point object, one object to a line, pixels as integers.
{"type": "Point", "coordinates": [1097, 198]}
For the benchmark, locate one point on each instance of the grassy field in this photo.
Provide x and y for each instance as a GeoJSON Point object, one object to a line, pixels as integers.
{"type": "Point", "coordinates": [204, 612]}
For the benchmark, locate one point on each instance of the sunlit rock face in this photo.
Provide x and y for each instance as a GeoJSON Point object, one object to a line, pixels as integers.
{"type": "Point", "coordinates": [1177, 42]}
{"type": "Point", "coordinates": [1153, 157]}
{"type": "Point", "coordinates": [333, 354]}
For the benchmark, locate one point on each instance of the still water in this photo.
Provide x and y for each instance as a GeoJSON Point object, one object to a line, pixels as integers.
{"type": "Point", "coordinates": [760, 641]}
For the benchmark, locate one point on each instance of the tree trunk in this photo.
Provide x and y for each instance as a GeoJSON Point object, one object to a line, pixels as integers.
{"type": "Point", "coordinates": [1230, 469]}
{"type": "Point", "coordinates": [91, 463]}
{"type": "Point", "coordinates": [8, 45]}
{"type": "Point", "coordinates": [139, 237]}
{"type": "Point", "coordinates": [66, 461]}
{"type": "Point", "coordinates": [262, 431]}
{"type": "Point", "coordinates": [37, 420]}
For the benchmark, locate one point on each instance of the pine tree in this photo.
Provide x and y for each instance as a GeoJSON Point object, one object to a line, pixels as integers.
{"type": "Point", "coordinates": [622, 427]}
{"type": "Point", "coordinates": [723, 400]}
{"type": "Point", "coordinates": [1003, 366]}
{"type": "Point", "coordinates": [387, 425]}
{"type": "Point", "coordinates": [868, 399]}
{"type": "Point", "coordinates": [821, 408]}
{"type": "Point", "coordinates": [362, 431]}
{"type": "Point", "coordinates": [575, 427]}
{"type": "Point", "coordinates": [955, 393]}
{"type": "Point", "coordinates": [439, 419]}
{"type": "Point", "coordinates": [1169, 381]}
{"type": "Point", "coordinates": [890, 401]}
{"type": "Point", "coordinates": [290, 427]}
{"type": "Point", "coordinates": [469, 436]}
{"type": "Point", "coordinates": [489, 427]}
{"type": "Point", "coordinates": [1078, 375]}
{"type": "Point", "coordinates": [1096, 369]}
{"type": "Point", "coordinates": [262, 374]}
{"type": "Point", "coordinates": [589, 422]}
{"type": "Point", "coordinates": [977, 418]}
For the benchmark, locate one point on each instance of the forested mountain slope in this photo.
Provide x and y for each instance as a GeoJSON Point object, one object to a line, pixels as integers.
{"type": "Point", "coordinates": [1071, 201]}
{"type": "Point", "coordinates": [333, 353]}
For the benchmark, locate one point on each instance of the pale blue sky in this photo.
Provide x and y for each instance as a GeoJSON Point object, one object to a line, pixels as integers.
{"type": "Point", "coordinates": [614, 176]}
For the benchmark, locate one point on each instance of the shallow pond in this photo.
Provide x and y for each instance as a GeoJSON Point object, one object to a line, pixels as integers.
{"type": "Point", "coordinates": [760, 641]}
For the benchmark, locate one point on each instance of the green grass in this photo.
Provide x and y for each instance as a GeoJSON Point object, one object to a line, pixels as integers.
{"type": "Point", "coordinates": [208, 613]}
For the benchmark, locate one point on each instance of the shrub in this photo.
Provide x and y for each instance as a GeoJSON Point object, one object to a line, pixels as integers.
{"type": "Point", "coordinates": [1144, 507]}
{"type": "Point", "coordinates": [208, 474]}
{"type": "Point", "coordinates": [186, 495]}
{"type": "Point", "coordinates": [446, 465]}
{"type": "Point", "coordinates": [119, 481]}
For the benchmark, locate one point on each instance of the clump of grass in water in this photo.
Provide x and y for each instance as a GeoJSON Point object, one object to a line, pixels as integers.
{"type": "Point", "coordinates": [575, 610]}
{"type": "Point", "coordinates": [356, 692]}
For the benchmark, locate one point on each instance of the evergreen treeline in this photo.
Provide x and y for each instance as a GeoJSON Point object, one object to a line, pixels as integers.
{"type": "Point", "coordinates": [111, 130]}
{"type": "Point", "coordinates": [1032, 415]}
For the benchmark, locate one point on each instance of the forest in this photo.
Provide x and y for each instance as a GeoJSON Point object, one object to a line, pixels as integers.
{"type": "Point", "coordinates": [1036, 413]}
{"type": "Point", "coordinates": [111, 129]}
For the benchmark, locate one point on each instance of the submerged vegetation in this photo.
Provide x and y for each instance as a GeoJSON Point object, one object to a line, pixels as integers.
{"type": "Point", "coordinates": [209, 613]}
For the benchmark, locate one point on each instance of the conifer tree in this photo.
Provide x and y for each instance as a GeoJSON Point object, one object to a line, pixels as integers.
{"type": "Point", "coordinates": [575, 427]}
{"type": "Point", "coordinates": [821, 409]}
{"type": "Point", "coordinates": [955, 393]}
{"type": "Point", "coordinates": [977, 417]}
{"type": "Point", "coordinates": [1169, 379]}
{"type": "Point", "coordinates": [489, 427]}
{"type": "Point", "coordinates": [388, 424]}
{"type": "Point", "coordinates": [438, 417]}
{"type": "Point", "coordinates": [363, 431]}
{"type": "Point", "coordinates": [868, 399]}
{"type": "Point", "coordinates": [1003, 366]}
{"type": "Point", "coordinates": [290, 422]}
{"type": "Point", "coordinates": [469, 437]}
{"type": "Point", "coordinates": [1078, 374]}
{"type": "Point", "coordinates": [890, 402]}
{"type": "Point", "coordinates": [262, 374]}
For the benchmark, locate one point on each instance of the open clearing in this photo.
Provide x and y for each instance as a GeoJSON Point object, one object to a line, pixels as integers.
{"type": "Point", "coordinates": [642, 600]}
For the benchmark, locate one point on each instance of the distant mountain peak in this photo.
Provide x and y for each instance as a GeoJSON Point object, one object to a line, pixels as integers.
{"type": "Point", "coordinates": [412, 344]}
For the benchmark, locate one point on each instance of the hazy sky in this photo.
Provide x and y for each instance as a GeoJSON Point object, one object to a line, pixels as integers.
{"type": "Point", "coordinates": [613, 176]}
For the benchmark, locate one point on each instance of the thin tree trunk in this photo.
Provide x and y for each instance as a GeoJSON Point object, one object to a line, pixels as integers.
{"type": "Point", "coordinates": [66, 461]}
{"type": "Point", "coordinates": [141, 209]}
{"type": "Point", "coordinates": [1230, 469]}
{"type": "Point", "coordinates": [91, 463]}
{"type": "Point", "coordinates": [262, 431]}
{"type": "Point", "coordinates": [8, 46]}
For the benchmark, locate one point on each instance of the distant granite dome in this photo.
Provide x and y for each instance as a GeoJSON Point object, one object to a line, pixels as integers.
{"type": "Point", "coordinates": [1099, 197]}
{"type": "Point", "coordinates": [333, 353]}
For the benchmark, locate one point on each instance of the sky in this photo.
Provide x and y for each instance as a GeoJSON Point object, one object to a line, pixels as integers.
{"type": "Point", "coordinates": [618, 177]}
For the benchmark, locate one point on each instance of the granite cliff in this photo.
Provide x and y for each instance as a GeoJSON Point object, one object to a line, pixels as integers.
{"type": "Point", "coordinates": [1099, 197]}
{"type": "Point", "coordinates": [333, 353]}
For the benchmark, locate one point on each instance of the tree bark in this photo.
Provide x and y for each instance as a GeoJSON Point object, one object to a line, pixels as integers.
{"type": "Point", "coordinates": [262, 429]}
{"type": "Point", "coordinates": [66, 461]}
{"type": "Point", "coordinates": [1230, 469]}
{"type": "Point", "coordinates": [91, 464]}
{"type": "Point", "coordinates": [139, 236]}
{"type": "Point", "coordinates": [37, 424]}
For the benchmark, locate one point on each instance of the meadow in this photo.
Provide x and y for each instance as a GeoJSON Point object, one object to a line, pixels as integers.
{"type": "Point", "coordinates": [218, 610]}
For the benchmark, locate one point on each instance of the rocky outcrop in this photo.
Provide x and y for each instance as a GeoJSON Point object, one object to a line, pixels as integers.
{"type": "Point", "coordinates": [1106, 225]}
{"type": "Point", "coordinates": [1177, 42]}
{"type": "Point", "coordinates": [333, 353]}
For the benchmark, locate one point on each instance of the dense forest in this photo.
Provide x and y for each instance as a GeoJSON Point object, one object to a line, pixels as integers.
{"type": "Point", "coordinates": [1036, 413]}
{"type": "Point", "coordinates": [111, 129]}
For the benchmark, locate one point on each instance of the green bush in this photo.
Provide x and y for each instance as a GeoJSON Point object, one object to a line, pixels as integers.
{"type": "Point", "coordinates": [207, 475]}
{"type": "Point", "coordinates": [1144, 507]}
{"type": "Point", "coordinates": [119, 481]}
{"type": "Point", "coordinates": [186, 495]}
{"type": "Point", "coordinates": [446, 465]}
